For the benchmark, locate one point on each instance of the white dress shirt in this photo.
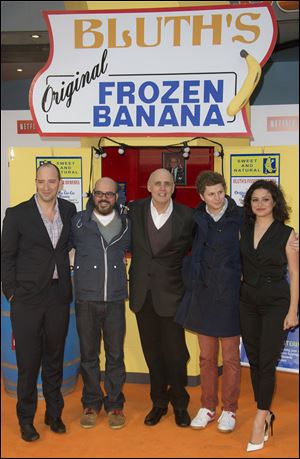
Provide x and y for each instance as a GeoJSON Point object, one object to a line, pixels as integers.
{"type": "Point", "coordinates": [160, 219]}
{"type": "Point", "coordinates": [220, 214]}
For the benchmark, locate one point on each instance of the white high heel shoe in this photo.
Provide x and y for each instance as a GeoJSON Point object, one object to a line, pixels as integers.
{"type": "Point", "coordinates": [254, 446]}
{"type": "Point", "coordinates": [268, 429]}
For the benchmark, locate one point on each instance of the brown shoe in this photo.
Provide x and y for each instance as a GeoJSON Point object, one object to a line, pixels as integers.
{"type": "Point", "coordinates": [116, 419]}
{"type": "Point", "coordinates": [89, 418]}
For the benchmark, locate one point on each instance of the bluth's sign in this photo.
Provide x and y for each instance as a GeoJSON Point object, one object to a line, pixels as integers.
{"type": "Point", "coordinates": [151, 72]}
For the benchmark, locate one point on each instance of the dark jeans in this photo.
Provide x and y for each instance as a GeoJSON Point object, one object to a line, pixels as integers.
{"type": "Point", "coordinates": [263, 338]}
{"type": "Point", "coordinates": [94, 320]}
{"type": "Point", "coordinates": [40, 331]}
{"type": "Point", "coordinates": [166, 355]}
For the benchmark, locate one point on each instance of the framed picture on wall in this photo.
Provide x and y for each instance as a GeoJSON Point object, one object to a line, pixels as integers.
{"type": "Point", "coordinates": [176, 164]}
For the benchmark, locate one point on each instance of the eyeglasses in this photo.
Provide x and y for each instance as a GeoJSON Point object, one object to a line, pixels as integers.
{"type": "Point", "coordinates": [107, 194]}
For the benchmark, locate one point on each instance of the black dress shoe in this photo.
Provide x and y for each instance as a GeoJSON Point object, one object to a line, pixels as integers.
{"type": "Point", "coordinates": [154, 416]}
{"type": "Point", "coordinates": [56, 425]}
{"type": "Point", "coordinates": [182, 418]}
{"type": "Point", "coordinates": [28, 432]}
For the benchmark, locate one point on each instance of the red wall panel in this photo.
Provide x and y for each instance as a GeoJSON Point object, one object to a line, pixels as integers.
{"type": "Point", "coordinates": [135, 166]}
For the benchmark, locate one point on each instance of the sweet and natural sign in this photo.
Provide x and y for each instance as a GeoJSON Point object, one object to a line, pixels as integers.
{"type": "Point", "coordinates": [152, 72]}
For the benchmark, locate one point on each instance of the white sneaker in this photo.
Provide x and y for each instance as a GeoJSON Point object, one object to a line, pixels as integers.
{"type": "Point", "coordinates": [226, 422]}
{"type": "Point", "coordinates": [204, 416]}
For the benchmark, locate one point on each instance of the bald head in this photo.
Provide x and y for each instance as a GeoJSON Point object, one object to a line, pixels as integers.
{"type": "Point", "coordinates": [106, 182]}
{"type": "Point", "coordinates": [161, 186]}
{"type": "Point", "coordinates": [160, 174]}
{"type": "Point", "coordinates": [174, 162]}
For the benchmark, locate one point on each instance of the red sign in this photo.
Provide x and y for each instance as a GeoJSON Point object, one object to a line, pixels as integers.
{"type": "Point", "coordinates": [282, 123]}
{"type": "Point", "coordinates": [26, 127]}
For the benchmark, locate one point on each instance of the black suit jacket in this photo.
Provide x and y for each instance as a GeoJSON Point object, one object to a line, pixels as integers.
{"type": "Point", "coordinates": [160, 273]}
{"type": "Point", "coordinates": [28, 257]}
{"type": "Point", "coordinates": [180, 175]}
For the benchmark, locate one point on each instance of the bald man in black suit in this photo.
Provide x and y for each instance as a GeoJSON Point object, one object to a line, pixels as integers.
{"type": "Point", "coordinates": [36, 280]}
{"type": "Point", "coordinates": [161, 237]}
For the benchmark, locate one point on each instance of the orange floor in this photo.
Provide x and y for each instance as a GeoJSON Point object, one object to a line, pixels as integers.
{"type": "Point", "coordinates": [163, 440]}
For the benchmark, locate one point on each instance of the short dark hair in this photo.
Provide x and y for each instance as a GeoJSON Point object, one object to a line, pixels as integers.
{"type": "Point", "coordinates": [209, 178]}
{"type": "Point", "coordinates": [47, 164]}
{"type": "Point", "coordinates": [280, 211]}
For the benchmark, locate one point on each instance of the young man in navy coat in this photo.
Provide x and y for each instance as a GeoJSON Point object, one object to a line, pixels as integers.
{"type": "Point", "coordinates": [210, 306]}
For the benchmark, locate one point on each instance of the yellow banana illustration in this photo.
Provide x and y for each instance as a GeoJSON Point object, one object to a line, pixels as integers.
{"type": "Point", "coordinates": [247, 88]}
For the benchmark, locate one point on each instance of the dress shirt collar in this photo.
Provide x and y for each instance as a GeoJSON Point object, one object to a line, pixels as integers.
{"type": "Point", "coordinates": [219, 215]}
{"type": "Point", "coordinates": [56, 208]}
{"type": "Point", "coordinates": [160, 219]}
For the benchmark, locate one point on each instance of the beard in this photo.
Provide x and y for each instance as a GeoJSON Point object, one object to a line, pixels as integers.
{"type": "Point", "coordinates": [104, 207]}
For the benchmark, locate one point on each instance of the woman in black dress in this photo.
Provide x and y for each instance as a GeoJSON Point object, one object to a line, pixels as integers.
{"type": "Point", "coordinates": [268, 303]}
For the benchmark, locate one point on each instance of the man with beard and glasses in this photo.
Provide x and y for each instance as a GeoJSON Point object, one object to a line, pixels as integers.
{"type": "Point", "coordinates": [101, 236]}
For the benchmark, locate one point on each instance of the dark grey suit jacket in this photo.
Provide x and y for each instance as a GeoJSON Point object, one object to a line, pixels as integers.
{"type": "Point", "coordinates": [160, 273]}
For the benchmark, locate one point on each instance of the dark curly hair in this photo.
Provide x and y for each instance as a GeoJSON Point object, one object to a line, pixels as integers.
{"type": "Point", "coordinates": [209, 178]}
{"type": "Point", "coordinates": [280, 211]}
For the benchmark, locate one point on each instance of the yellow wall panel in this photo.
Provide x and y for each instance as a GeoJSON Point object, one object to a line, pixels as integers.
{"type": "Point", "coordinates": [22, 170]}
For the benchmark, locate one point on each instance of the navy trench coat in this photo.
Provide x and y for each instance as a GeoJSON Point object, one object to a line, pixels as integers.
{"type": "Point", "coordinates": [212, 275]}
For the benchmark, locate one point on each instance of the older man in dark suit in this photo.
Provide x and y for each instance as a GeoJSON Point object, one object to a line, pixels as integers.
{"type": "Point", "coordinates": [36, 280]}
{"type": "Point", "coordinates": [177, 171]}
{"type": "Point", "coordinates": [161, 236]}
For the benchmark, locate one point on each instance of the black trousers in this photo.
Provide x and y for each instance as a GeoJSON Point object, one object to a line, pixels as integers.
{"type": "Point", "coordinates": [40, 332]}
{"type": "Point", "coordinates": [263, 338]}
{"type": "Point", "coordinates": [166, 355]}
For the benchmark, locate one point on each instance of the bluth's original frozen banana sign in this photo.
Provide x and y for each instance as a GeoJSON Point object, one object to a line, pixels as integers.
{"type": "Point", "coordinates": [152, 72]}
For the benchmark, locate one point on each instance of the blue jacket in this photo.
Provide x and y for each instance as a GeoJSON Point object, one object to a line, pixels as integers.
{"type": "Point", "coordinates": [212, 275]}
{"type": "Point", "coordinates": [99, 268]}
